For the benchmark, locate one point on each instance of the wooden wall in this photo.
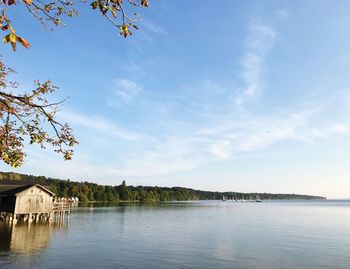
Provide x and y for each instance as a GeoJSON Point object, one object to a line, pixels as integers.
{"type": "Point", "coordinates": [33, 200]}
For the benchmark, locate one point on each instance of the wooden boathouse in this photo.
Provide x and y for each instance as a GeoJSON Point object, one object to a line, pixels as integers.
{"type": "Point", "coordinates": [30, 202]}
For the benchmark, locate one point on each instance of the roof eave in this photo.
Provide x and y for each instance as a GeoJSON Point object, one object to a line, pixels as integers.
{"type": "Point", "coordinates": [39, 186]}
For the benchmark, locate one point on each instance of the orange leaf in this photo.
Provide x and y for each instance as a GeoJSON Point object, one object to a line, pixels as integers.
{"type": "Point", "coordinates": [29, 2]}
{"type": "Point", "coordinates": [144, 3]}
{"type": "Point", "coordinates": [23, 42]}
{"type": "Point", "coordinates": [13, 44]}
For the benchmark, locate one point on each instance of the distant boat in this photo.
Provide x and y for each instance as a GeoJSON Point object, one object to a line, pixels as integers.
{"type": "Point", "coordinates": [258, 199]}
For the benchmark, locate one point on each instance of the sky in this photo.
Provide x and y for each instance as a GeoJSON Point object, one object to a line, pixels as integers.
{"type": "Point", "coordinates": [250, 96]}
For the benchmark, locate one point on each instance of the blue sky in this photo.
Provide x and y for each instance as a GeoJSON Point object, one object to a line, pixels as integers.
{"type": "Point", "coordinates": [235, 95]}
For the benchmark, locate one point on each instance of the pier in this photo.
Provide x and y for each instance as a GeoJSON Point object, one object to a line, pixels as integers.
{"type": "Point", "coordinates": [60, 210]}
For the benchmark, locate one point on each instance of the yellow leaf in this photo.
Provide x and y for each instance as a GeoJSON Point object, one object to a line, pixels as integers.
{"type": "Point", "coordinates": [113, 13]}
{"type": "Point", "coordinates": [124, 30]}
{"type": "Point", "coordinates": [12, 38]}
{"type": "Point", "coordinates": [6, 39]}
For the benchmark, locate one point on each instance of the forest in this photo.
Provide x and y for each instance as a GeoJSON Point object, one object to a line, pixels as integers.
{"type": "Point", "coordinates": [88, 192]}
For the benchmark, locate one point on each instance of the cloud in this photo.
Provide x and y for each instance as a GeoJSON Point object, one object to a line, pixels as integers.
{"type": "Point", "coordinates": [150, 34]}
{"type": "Point", "coordinates": [173, 154]}
{"type": "Point", "coordinates": [283, 14]}
{"type": "Point", "coordinates": [98, 124]}
{"type": "Point", "coordinates": [259, 41]}
{"type": "Point", "coordinates": [126, 90]}
{"type": "Point", "coordinates": [269, 131]}
{"type": "Point", "coordinates": [191, 149]}
{"type": "Point", "coordinates": [154, 28]}
{"type": "Point", "coordinates": [221, 149]}
{"type": "Point", "coordinates": [340, 128]}
{"type": "Point", "coordinates": [230, 138]}
{"type": "Point", "coordinates": [219, 135]}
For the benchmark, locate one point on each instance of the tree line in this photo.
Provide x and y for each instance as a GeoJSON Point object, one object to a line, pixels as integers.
{"type": "Point", "coordinates": [87, 191]}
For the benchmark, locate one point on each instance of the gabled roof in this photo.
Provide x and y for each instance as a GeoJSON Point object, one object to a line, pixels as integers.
{"type": "Point", "coordinates": [10, 190]}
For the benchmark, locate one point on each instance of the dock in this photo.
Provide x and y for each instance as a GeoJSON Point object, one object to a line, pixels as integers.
{"type": "Point", "coordinates": [60, 210]}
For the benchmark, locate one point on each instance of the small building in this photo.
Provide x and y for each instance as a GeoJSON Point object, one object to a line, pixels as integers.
{"type": "Point", "coordinates": [28, 201]}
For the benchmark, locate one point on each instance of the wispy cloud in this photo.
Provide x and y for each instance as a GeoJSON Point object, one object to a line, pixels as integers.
{"type": "Point", "coordinates": [154, 28]}
{"type": "Point", "coordinates": [283, 13]}
{"type": "Point", "coordinates": [228, 140]}
{"type": "Point", "coordinates": [151, 33]}
{"type": "Point", "coordinates": [258, 43]}
{"type": "Point", "coordinates": [126, 90]}
{"type": "Point", "coordinates": [187, 149]}
{"type": "Point", "coordinates": [222, 149]}
{"type": "Point", "coordinates": [98, 124]}
{"type": "Point", "coordinates": [268, 131]}
{"type": "Point", "coordinates": [340, 128]}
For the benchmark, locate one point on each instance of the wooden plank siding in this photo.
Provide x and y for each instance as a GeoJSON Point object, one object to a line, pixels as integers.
{"type": "Point", "coordinates": [34, 200]}
{"type": "Point", "coordinates": [31, 199]}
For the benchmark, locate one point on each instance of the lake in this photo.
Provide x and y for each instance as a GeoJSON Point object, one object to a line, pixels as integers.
{"type": "Point", "coordinates": [202, 234]}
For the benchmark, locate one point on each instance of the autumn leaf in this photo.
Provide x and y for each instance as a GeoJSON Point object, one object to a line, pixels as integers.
{"type": "Point", "coordinates": [124, 30]}
{"type": "Point", "coordinates": [28, 2]}
{"type": "Point", "coordinates": [12, 38]}
{"type": "Point", "coordinates": [13, 44]}
{"type": "Point", "coordinates": [113, 13]}
{"type": "Point", "coordinates": [144, 3]}
{"type": "Point", "coordinates": [93, 5]}
{"type": "Point", "coordinates": [48, 7]}
{"type": "Point", "coordinates": [6, 39]}
{"type": "Point", "coordinates": [23, 42]}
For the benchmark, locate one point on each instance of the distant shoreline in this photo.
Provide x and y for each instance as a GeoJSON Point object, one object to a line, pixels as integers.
{"type": "Point", "coordinates": [194, 200]}
{"type": "Point", "coordinates": [87, 191]}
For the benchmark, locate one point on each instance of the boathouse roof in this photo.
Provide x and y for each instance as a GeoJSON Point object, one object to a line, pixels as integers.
{"type": "Point", "coordinates": [10, 190]}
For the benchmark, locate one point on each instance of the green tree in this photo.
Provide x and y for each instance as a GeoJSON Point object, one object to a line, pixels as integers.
{"type": "Point", "coordinates": [29, 114]}
{"type": "Point", "coordinates": [123, 191]}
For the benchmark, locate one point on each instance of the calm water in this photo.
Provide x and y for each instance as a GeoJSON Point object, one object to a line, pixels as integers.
{"type": "Point", "coordinates": [187, 235]}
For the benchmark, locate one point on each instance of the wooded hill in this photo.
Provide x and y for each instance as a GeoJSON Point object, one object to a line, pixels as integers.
{"type": "Point", "coordinates": [86, 191]}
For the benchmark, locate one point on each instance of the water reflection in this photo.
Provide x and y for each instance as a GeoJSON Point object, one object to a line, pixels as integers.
{"type": "Point", "coordinates": [209, 234]}
{"type": "Point", "coordinates": [27, 239]}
